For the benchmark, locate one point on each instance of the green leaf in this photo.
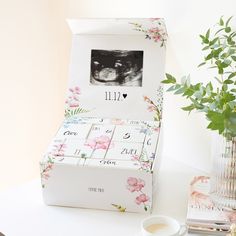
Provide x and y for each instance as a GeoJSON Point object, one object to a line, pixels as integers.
{"type": "Point", "coordinates": [209, 56]}
{"type": "Point", "coordinates": [172, 88]}
{"type": "Point", "coordinates": [218, 80]}
{"type": "Point", "coordinates": [188, 81]}
{"type": "Point", "coordinates": [227, 22]}
{"type": "Point", "coordinates": [204, 39]}
{"type": "Point", "coordinates": [179, 91]}
{"type": "Point", "coordinates": [214, 41]}
{"type": "Point", "coordinates": [220, 70]}
{"type": "Point", "coordinates": [183, 80]}
{"type": "Point", "coordinates": [189, 91]}
{"type": "Point", "coordinates": [198, 94]}
{"type": "Point", "coordinates": [227, 97]}
{"type": "Point", "coordinates": [216, 121]}
{"type": "Point", "coordinates": [205, 48]}
{"type": "Point", "coordinates": [217, 52]}
{"type": "Point", "coordinates": [209, 88]}
{"type": "Point", "coordinates": [230, 121]}
{"type": "Point", "coordinates": [232, 75]}
{"type": "Point", "coordinates": [228, 81]}
{"type": "Point", "coordinates": [170, 79]}
{"type": "Point", "coordinates": [221, 21]}
{"type": "Point", "coordinates": [232, 105]}
{"type": "Point", "coordinates": [217, 32]}
{"type": "Point", "coordinates": [227, 29]}
{"type": "Point", "coordinates": [188, 108]}
{"type": "Point", "coordinates": [234, 58]}
{"type": "Point", "coordinates": [226, 63]}
{"type": "Point", "coordinates": [208, 34]}
{"type": "Point", "coordinates": [203, 63]}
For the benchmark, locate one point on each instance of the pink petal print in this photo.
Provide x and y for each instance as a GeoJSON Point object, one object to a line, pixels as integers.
{"type": "Point", "coordinates": [73, 105]}
{"type": "Point", "coordinates": [135, 158]}
{"type": "Point", "coordinates": [155, 19]}
{"type": "Point", "coordinates": [101, 142]}
{"type": "Point", "coordinates": [77, 89]}
{"type": "Point", "coordinates": [75, 98]}
{"type": "Point", "coordinates": [135, 185]}
{"type": "Point", "coordinates": [151, 108]}
{"type": "Point", "coordinates": [141, 199]}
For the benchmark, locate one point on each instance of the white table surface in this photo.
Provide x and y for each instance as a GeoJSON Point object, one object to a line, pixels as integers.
{"type": "Point", "coordinates": [23, 213]}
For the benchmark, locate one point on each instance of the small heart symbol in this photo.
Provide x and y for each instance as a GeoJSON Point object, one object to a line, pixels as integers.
{"type": "Point", "coordinates": [124, 95]}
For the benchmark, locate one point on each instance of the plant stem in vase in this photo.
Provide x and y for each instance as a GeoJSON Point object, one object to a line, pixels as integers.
{"type": "Point", "coordinates": [217, 100]}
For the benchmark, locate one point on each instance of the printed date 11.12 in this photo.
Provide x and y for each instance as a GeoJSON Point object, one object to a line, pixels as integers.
{"type": "Point", "coordinates": [112, 96]}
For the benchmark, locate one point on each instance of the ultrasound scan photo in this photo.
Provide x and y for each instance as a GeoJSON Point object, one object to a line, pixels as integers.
{"type": "Point", "coordinates": [116, 68]}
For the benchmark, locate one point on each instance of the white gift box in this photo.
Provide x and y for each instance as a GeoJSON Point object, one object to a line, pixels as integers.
{"type": "Point", "coordinates": [104, 154]}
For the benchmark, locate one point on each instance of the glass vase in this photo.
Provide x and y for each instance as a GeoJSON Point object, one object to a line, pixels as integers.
{"type": "Point", "coordinates": [223, 175]}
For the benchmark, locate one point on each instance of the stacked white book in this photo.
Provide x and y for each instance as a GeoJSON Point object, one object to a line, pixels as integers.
{"type": "Point", "coordinates": [203, 215]}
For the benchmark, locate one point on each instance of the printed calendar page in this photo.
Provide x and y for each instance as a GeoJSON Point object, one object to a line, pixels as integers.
{"type": "Point", "coordinates": [106, 142]}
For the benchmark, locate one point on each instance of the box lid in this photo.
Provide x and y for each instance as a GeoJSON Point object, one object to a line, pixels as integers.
{"type": "Point", "coordinates": [116, 68]}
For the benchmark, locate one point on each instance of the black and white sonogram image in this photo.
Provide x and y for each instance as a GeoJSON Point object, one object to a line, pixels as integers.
{"type": "Point", "coordinates": [116, 68]}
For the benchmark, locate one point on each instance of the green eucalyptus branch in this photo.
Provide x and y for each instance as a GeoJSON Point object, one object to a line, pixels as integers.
{"type": "Point", "coordinates": [217, 101]}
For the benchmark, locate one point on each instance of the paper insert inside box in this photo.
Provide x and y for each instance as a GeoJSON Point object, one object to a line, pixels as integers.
{"type": "Point", "coordinates": [105, 142]}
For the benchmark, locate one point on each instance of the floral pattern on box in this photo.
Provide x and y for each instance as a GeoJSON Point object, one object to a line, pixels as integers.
{"type": "Point", "coordinates": [136, 185]}
{"type": "Point", "coordinates": [156, 32]}
{"type": "Point", "coordinates": [156, 107]}
{"type": "Point", "coordinates": [143, 161]}
{"type": "Point", "coordinates": [56, 153]}
{"type": "Point", "coordinates": [72, 103]}
{"type": "Point", "coordinates": [101, 142]}
{"type": "Point", "coordinates": [119, 207]}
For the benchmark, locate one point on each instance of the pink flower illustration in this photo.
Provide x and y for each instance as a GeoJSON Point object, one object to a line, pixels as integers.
{"type": "Point", "coordinates": [154, 30]}
{"type": "Point", "coordinates": [231, 215]}
{"type": "Point", "coordinates": [156, 129]}
{"type": "Point", "coordinates": [45, 171]}
{"type": "Point", "coordinates": [73, 103]}
{"type": "Point", "coordinates": [156, 38]}
{"type": "Point", "coordinates": [151, 108]}
{"type": "Point", "coordinates": [155, 19]}
{"type": "Point", "coordinates": [201, 199]}
{"type": "Point", "coordinates": [144, 164]}
{"type": "Point", "coordinates": [134, 184]}
{"type": "Point", "coordinates": [58, 150]}
{"type": "Point", "coordinates": [135, 158]}
{"type": "Point", "coordinates": [75, 90]}
{"type": "Point", "coordinates": [146, 99]}
{"type": "Point", "coordinates": [202, 179]}
{"type": "Point", "coordinates": [117, 122]}
{"type": "Point", "coordinates": [101, 142]}
{"type": "Point", "coordinates": [156, 33]}
{"type": "Point", "coordinates": [73, 99]}
{"type": "Point", "coordinates": [142, 198]}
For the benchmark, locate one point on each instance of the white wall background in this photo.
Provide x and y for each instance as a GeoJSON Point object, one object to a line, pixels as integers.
{"type": "Point", "coordinates": [34, 58]}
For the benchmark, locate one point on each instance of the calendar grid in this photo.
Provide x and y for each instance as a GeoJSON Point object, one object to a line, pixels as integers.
{"type": "Point", "coordinates": [110, 142]}
{"type": "Point", "coordinates": [96, 144]}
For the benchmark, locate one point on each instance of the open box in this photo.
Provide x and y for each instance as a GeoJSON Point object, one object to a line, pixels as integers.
{"type": "Point", "coordinates": [105, 152]}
